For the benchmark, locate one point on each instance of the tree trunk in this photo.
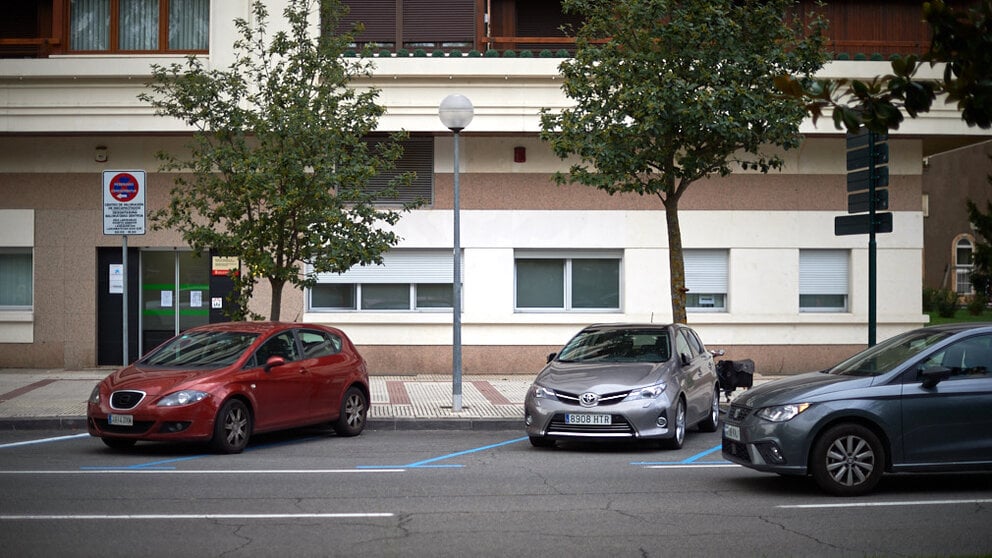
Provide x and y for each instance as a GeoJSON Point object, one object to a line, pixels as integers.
{"type": "Point", "coordinates": [676, 262]}
{"type": "Point", "coordinates": [274, 309]}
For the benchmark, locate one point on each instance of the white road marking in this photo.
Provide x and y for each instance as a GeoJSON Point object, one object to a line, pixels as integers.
{"type": "Point", "coordinates": [43, 441]}
{"type": "Point", "coordinates": [887, 504]}
{"type": "Point", "coordinates": [198, 516]}
{"type": "Point", "coordinates": [132, 471]}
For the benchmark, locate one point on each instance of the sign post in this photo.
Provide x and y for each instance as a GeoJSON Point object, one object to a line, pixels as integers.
{"type": "Point", "coordinates": [124, 214]}
{"type": "Point", "coordinates": [867, 166]}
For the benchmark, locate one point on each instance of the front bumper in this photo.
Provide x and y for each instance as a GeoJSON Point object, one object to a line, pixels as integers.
{"type": "Point", "coordinates": [187, 423]}
{"type": "Point", "coordinates": [762, 445]}
{"type": "Point", "coordinates": [641, 419]}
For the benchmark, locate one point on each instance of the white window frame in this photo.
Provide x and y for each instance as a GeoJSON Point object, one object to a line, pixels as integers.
{"type": "Point", "coordinates": [567, 258]}
{"type": "Point", "coordinates": [706, 274]}
{"type": "Point", "coordinates": [411, 267]}
{"type": "Point", "coordinates": [824, 273]}
{"type": "Point", "coordinates": [962, 271]}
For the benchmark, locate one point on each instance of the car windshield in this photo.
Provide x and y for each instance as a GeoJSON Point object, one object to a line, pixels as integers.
{"type": "Point", "coordinates": [201, 349]}
{"type": "Point", "coordinates": [888, 355]}
{"type": "Point", "coordinates": [625, 345]}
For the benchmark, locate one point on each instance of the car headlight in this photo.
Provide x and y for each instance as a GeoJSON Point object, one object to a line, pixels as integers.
{"type": "Point", "coordinates": [650, 392]}
{"type": "Point", "coordinates": [184, 397]}
{"type": "Point", "coordinates": [541, 392]}
{"type": "Point", "coordinates": [95, 395]}
{"type": "Point", "coordinates": [782, 413]}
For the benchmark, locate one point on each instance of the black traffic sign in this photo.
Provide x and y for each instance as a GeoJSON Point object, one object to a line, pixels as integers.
{"type": "Point", "coordinates": [860, 139]}
{"type": "Point", "coordinates": [862, 157]}
{"type": "Point", "coordinates": [858, 202]}
{"type": "Point", "coordinates": [859, 180]}
{"type": "Point", "coordinates": [861, 224]}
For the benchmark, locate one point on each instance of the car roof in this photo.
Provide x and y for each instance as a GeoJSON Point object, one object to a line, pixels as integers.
{"type": "Point", "coordinates": [622, 326]}
{"type": "Point", "coordinates": [251, 327]}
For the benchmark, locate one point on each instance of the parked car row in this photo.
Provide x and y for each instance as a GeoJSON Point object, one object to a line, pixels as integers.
{"type": "Point", "coordinates": [920, 401]}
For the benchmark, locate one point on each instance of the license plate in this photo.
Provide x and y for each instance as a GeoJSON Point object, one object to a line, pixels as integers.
{"type": "Point", "coordinates": [120, 420]}
{"type": "Point", "coordinates": [732, 432]}
{"type": "Point", "coordinates": [588, 419]}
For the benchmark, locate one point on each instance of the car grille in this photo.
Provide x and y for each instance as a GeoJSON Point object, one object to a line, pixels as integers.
{"type": "Point", "coordinates": [619, 427]}
{"type": "Point", "coordinates": [737, 450]}
{"type": "Point", "coordinates": [738, 412]}
{"type": "Point", "coordinates": [139, 427]}
{"type": "Point", "coordinates": [606, 399]}
{"type": "Point", "coordinates": [126, 399]}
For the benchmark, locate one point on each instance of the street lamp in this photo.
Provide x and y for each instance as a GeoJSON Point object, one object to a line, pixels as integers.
{"type": "Point", "coordinates": [456, 113]}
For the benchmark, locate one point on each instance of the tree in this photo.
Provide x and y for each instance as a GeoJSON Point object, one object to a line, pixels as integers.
{"type": "Point", "coordinates": [681, 91]}
{"type": "Point", "coordinates": [981, 275]}
{"type": "Point", "coordinates": [277, 169]}
{"type": "Point", "coordinates": [962, 40]}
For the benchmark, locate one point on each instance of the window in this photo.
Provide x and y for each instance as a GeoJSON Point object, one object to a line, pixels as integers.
{"type": "Point", "coordinates": [319, 344]}
{"type": "Point", "coordinates": [423, 24]}
{"type": "Point", "coordinates": [963, 265]}
{"type": "Point", "coordinates": [16, 287]}
{"type": "Point", "coordinates": [969, 358]}
{"type": "Point", "coordinates": [282, 345]}
{"type": "Point", "coordinates": [579, 283]}
{"type": "Point", "coordinates": [407, 280]}
{"type": "Point", "coordinates": [823, 280]}
{"type": "Point", "coordinates": [139, 25]}
{"type": "Point", "coordinates": [706, 279]}
{"type": "Point", "coordinates": [418, 158]}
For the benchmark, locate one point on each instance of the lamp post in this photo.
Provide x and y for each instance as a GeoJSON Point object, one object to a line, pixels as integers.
{"type": "Point", "coordinates": [456, 113]}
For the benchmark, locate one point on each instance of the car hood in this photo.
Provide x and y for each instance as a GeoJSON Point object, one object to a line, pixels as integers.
{"type": "Point", "coordinates": [156, 381]}
{"type": "Point", "coordinates": [600, 377]}
{"type": "Point", "coordinates": [803, 387]}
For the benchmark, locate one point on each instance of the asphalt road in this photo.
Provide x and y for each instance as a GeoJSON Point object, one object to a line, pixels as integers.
{"type": "Point", "coordinates": [456, 493]}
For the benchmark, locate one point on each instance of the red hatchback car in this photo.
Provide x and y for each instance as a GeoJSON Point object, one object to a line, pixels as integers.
{"type": "Point", "coordinates": [221, 383]}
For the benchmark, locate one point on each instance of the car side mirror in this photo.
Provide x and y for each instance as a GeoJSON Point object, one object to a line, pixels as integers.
{"type": "Point", "coordinates": [552, 356]}
{"type": "Point", "coordinates": [935, 375]}
{"type": "Point", "coordinates": [273, 362]}
{"type": "Point", "coordinates": [686, 359]}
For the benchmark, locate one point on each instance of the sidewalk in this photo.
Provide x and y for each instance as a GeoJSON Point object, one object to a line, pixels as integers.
{"type": "Point", "coordinates": [56, 399]}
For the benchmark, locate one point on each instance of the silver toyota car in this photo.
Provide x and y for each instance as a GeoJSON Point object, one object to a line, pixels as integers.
{"type": "Point", "coordinates": [920, 401]}
{"type": "Point", "coordinates": [625, 381]}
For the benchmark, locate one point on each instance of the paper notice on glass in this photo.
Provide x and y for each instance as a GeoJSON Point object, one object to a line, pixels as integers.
{"type": "Point", "coordinates": [116, 279]}
{"type": "Point", "coordinates": [165, 301]}
{"type": "Point", "coordinates": [196, 299]}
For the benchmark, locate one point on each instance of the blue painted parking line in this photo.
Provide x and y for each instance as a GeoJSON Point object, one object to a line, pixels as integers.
{"type": "Point", "coordinates": [693, 460]}
{"type": "Point", "coordinates": [430, 463]}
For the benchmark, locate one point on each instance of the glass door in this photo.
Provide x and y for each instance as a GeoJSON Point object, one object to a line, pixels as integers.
{"type": "Point", "coordinates": [175, 287]}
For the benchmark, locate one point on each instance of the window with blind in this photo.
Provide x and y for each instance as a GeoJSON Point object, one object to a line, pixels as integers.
{"type": "Point", "coordinates": [706, 279]}
{"type": "Point", "coordinates": [420, 24]}
{"type": "Point", "coordinates": [823, 280]}
{"type": "Point", "coordinates": [579, 282]}
{"type": "Point", "coordinates": [418, 157]}
{"type": "Point", "coordinates": [139, 26]}
{"type": "Point", "coordinates": [407, 280]}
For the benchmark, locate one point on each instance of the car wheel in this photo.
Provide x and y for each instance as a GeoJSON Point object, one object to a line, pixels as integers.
{"type": "Point", "coordinates": [712, 421]}
{"type": "Point", "coordinates": [232, 428]}
{"type": "Point", "coordinates": [119, 443]}
{"type": "Point", "coordinates": [541, 442]}
{"type": "Point", "coordinates": [847, 460]}
{"type": "Point", "coordinates": [676, 441]}
{"type": "Point", "coordinates": [354, 410]}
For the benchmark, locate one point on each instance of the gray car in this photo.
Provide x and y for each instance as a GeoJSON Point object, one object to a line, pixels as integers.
{"type": "Point", "coordinates": [920, 401]}
{"type": "Point", "coordinates": [625, 381]}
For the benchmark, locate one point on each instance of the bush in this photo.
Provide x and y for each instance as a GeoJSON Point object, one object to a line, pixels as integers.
{"type": "Point", "coordinates": [976, 306]}
{"type": "Point", "coordinates": [929, 299]}
{"type": "Point", "coordinates": [946, 302]}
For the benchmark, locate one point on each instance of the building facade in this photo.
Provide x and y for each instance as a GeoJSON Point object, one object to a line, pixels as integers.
{"type": "Point", "coordinates": [768, 279]}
